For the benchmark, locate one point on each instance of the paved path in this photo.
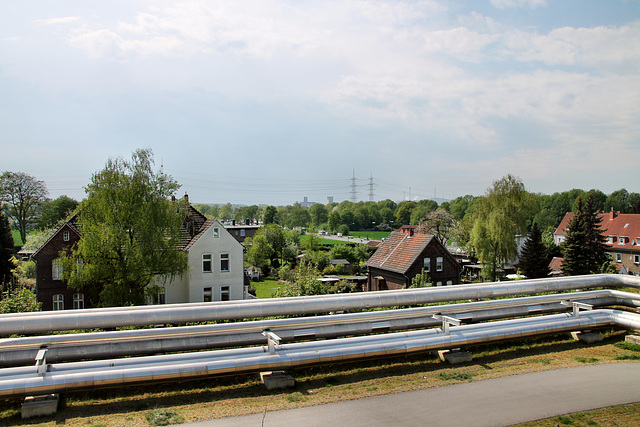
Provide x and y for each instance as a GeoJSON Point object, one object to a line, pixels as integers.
{"type": "Point", "coordinates": [497, 402]}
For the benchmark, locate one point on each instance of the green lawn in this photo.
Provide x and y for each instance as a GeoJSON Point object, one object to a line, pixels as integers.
{"type": "Point", "coordinates": [372, 235]}
{"type": "Point", "coordinates": [17, 241]}
{"type": "Point", "coordinates": [266, 288]}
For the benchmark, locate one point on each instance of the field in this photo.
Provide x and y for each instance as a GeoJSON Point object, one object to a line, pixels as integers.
{"type": "Point", "coordinates": [267, 287]}
{"type": "Point", "coordinates": [231, 396]}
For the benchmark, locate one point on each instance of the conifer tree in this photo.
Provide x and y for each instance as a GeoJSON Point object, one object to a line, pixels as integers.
{"type": "Point", "coordinates": [584, 250]}
{"type": "Point", "coordinates": [534, 262]}
{"type": "Point", "coordinates": [6, 250]}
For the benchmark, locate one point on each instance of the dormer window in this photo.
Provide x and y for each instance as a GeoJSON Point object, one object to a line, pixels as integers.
{"type": "Point", "coordinates": [623, 240]}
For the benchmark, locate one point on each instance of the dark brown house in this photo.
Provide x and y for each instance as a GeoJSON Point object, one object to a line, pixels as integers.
{"type": "Point", "coordinates": [403, 255]}
{"type": "Point", "coordinates": [51, 290]}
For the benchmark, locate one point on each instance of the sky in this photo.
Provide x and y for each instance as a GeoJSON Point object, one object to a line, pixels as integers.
{"type": "Point", "coordinates": [271, 101]}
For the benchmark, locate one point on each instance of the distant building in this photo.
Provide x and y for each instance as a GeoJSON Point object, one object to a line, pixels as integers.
{"type": "Point", "coordinates": [403, 255]}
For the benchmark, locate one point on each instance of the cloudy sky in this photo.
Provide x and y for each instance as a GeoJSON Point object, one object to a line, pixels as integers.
{"type": "Point", "coordinates": [269, 101]}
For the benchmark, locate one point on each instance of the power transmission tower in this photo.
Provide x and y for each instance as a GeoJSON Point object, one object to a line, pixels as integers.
{"type": "Point", "coordinates": [354, 192]}
{"type": "Point", "coordinates": [371, 188]}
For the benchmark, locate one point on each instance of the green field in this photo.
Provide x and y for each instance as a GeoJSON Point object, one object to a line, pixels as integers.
{"type": "Point", "coordinates": [17, 241]}
{"type": "Point", "coordinates": [266, 288]}
{"type": "Point", "coordinates": [372, 235]}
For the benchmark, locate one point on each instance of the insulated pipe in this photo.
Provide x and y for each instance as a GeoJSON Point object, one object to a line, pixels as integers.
{"type": "Point", "coordinates": [100, 374]}
{"type": "Point", "coordinates": [30, 323]}
{"type": "Point", "coordinates": [98, 345]}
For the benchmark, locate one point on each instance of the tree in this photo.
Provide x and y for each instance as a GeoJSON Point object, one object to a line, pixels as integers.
{"type": "Point", "coordinates": [403, 214]}
{"type": "Point", "coordinates": [500, 216]}
{"type": "Point", "coordinates": [440, 223]}
{"type": "Point", "coordinates": [55, 210]}
{"type": "Point", "coordinates": [24, 196]}
{"type": "Point", "coordinates": [334, 220]}
{"type": "Point", "coordinates": [318, 214]}
{"type": "Point", "coordinates": [584, 249]}
{"type": "Point", "coordinates": [259, 252]}
{"type": "Point", "coordinates": [269, 215]}
{"type": "Point", "coordinates": [20, 300]}
{"type": "Point", "coordinates": [130, 226]}
{"type": "Point", "coordinates": [534, 262]}
{"type": "Point", "coordinates": [6, 250]}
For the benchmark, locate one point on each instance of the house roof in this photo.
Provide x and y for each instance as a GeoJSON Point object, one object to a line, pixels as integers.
{"type": "Point", "coordinates": [613, 224]}
{"type": "Point", "coordinates": [556, 264]}
{"type": "Point", "coordinates": [399, 251]}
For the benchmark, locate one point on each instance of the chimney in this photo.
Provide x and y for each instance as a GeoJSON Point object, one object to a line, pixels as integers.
{"type": "Point", "coordinates": [186, 197]}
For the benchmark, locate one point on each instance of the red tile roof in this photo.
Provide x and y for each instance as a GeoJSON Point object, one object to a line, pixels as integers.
{"type": "Point", "coordinates": [399, 251]}
{"type": "Point", "coordinates": [615, 225]}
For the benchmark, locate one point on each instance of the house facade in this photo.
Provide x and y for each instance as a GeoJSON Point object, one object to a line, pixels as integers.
{"type": "Point", "coordinates": [215, 267]}
{"type": "Point", "coordinates": [622, 232]}
{"type": "Point", "coordinates": [51, 291]}
{"type": "Point", "coordinates": [403, 255]}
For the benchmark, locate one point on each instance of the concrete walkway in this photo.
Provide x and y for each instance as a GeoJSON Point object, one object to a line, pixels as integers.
{"type": "Point", "coordinates": [497, 402]}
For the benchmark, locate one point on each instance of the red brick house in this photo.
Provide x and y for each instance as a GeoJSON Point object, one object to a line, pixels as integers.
{"type": "Point", "coordinates": [51, 291]}
{"type": "Point", "coordinates": [403, 255]}
{"type": "Point", "coordinates": [623, 238]}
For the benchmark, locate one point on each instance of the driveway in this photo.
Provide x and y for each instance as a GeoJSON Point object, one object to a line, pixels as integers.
{"type": "Point", "coordinates": [497, 402]}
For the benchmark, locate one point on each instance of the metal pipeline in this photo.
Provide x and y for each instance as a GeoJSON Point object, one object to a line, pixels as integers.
{"type": "Point", "coordinates": [30, 323]}
{"type": "Point", "coordinates": [121, 372]}
{"type": "Point", "coordinates": [99, 345]}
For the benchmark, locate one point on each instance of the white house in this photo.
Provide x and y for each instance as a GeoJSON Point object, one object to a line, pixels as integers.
{"type": "Point", "coordinates": [216, 268]}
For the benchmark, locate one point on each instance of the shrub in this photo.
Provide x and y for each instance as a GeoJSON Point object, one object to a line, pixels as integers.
{"type": "Point", "coordinates": [164, 417]}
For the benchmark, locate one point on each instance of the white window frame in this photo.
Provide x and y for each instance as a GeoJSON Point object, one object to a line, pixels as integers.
{"type": "Point", "coordinates": [242, 233]}
{"type": "Point", "coordinates": [619, 257]}
{"type": "Point", "coordinates": [56, 269]}
{"type": "Point", "coordinates": [78, 301]}
{"type": "Point", "coordinates": [58, 302]}
{"type": "Point", "coordinates": [440, 263]}
{"type": "Point", "coordinates": [225, 293]}
{"type": "Point", "coordinates": [426, 264]}
{"type": "Point", "coordinates": [225, 260]}
{"type": "Point", "coordinates": [66, 236]}
{"type": "Point", "coordinates": [449, 282]}
{"type": "Point", "coordinates": [216, 232]}
{"type": "Point", "coordinates": [207, 259]}
{"type": "Point", "coordinates": [636, 259]}
{"type": "Point", "coordinates": [207, 294]}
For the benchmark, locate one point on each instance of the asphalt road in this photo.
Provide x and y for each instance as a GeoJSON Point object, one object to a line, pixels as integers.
{"type": "Point", "coordinates": [497, 402]}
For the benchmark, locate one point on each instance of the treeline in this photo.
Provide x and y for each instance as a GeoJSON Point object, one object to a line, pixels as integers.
{"type": "Point", "coordinates": [388, 215]}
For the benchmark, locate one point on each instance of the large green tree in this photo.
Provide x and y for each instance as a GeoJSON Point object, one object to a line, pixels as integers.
{"type": "Point", "coordinates": [130, 227]}
{"type": "Point", "coordinates": [55, 210]}
{"type": "Point", "coordinates": [499, 217]}
{"type": "Point", "coordinates": [533, 260]}
{"type": "Point", "coordinates": [584, 251]}
{"type": "Point", "coordinates": [23, 196]}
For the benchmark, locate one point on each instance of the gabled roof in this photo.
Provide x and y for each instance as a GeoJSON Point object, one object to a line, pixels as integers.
{"type": "Point", "coordinates": [71, 223]}
{"type": "Point", "coordinates": [612, 224]}
{"type": "Point", "coordinates": [400, 251]}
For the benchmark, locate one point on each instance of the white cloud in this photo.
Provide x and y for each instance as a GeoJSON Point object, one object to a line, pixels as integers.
{"type": "Point", "coordinates": [57, 21]}
{"type": "Point", "coordinates": [601, 46]}
{"type": "Point", "coordinates": [505, 4]}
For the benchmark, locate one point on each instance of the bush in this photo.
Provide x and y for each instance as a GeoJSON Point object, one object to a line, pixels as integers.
{"type": "Point", "coordinates": [164, 417]}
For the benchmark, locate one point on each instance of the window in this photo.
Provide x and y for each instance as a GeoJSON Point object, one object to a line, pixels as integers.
{"type": "Point", "coordinates": [206, 263]}
{"type": "Point", "coordinates": [58, 302]}
{"type": "Point", "coordinates": [56, 270]}
{"type": "Point", "coordinates": [619, 257]}
{"type": "Point", "coordinates": [242, 232]}
{"type": "Point", "coordinates": [159, 297]}
{"type": "Point", "coordinates": [78, 301]}
{"type": "Point", "coordinates": [216, 232]}
{"type": "Point", "coordinates": [439, 284]}
{"type": "Point", "coordinates": [65, 236]}
{"type": "Point", "coordinates": [427, 265]}
{"type": "Point", "coordinates": [207, 295]}
{"type": "Point", "coordinates": [636, 259]}
{"type": "Point", "coordinates": [449, 282]}
{"type": "Point", "coordinates": [439, 263]}
{"type": "Point", "coordinates": [224, 293]}
{"type": "Point", "coordinates": [224, 262]}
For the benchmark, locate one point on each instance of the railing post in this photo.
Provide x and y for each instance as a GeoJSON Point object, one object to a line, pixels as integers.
{"type": "Point", "coordinates": [273, 340]}
{"type": "Point", "coordinates": [41, 361]}
{"type": "Point", "coordinates": [446, 321]}
{"type": "Point", "coordinates": [577, 306]}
